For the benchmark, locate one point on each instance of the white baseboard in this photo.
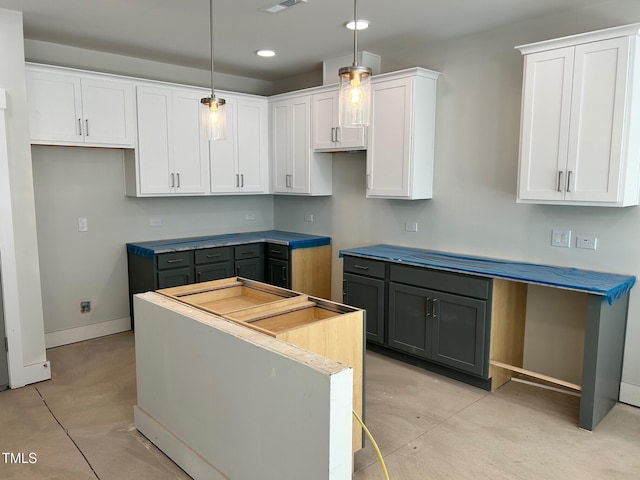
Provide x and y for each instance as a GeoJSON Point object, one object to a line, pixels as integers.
{"type": "Point", "coordinates": [630, 394]}
{"type": "Point", "coordinates": [183, 455]}
{"type": "Point", "coordinates": [87, 332]}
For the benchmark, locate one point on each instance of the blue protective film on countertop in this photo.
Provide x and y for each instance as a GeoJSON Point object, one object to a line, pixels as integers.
{"type": "Point", "coordinates": [291, 239]}
{"type": "Point", "coordinates": [613, 286]}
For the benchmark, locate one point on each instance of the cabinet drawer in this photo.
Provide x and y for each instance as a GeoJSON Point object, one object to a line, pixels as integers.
{"type": "Point", "coordinates": [251, 250]}
{"type": "Point", "coordinates": [277, 251]}
{"type": "Point", "coordinates": [174, 259]}
{"type": "Point", "coordinates": [459, 284]}
{"type": "Point", "coordinates": [211, 255]}
{"type": "Point", "coordinates": [364, 266]}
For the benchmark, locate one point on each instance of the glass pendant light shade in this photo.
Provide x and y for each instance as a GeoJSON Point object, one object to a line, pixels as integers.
{"type": "Point", "coordinates": [355, 87]}
{"type": "Point", "coordinates": [216, 117]}
{"type": "Point", "coordinates": [355, 96]}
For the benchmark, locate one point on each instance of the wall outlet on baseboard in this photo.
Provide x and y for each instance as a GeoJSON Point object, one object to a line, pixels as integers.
{"type": "Point", "coordinates": [250, 216]}
{"type": "Point", "coordinates": [308, 217]}
{"type": "Point", "coordinates": [411, 226]}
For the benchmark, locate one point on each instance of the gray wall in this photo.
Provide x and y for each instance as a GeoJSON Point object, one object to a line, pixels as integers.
{"type": "Point", "coordinates": [74, 182]}
{"type": "Point", "coordinates": [473, 210]}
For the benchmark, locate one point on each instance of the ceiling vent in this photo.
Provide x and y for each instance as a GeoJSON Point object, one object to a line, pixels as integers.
{"type": "Point", "coordinates": [282, 6]}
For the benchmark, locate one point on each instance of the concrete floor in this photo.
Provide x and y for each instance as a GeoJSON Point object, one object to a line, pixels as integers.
{"type": "Point", "coordinates": [79, 425]}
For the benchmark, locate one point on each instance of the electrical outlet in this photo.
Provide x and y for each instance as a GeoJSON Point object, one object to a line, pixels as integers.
{"type": "Point", "coordinates": [83, 225]}
{"type": "Point", "coordinates": [250, 216]}
{"type": "Point", "coordinates": [588, 243]}
{"type": "Point", "coordinates": [85, 306]}
{"type": "Point", "coordinates": [411, 226]}
{"type": "Point", "coordinates": [308, 217]}
{"type": "Point", "coordinates": [155, 222]}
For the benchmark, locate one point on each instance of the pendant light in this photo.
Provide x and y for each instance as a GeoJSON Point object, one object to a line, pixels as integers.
{"type": "Point", "coordinates": [355, 87]}
{"type": "Point", "coordinates": [216, 118]}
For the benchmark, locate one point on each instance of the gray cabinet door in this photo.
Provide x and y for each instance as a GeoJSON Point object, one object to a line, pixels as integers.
{"type": "Point", "coordinates": [459, 332]}
{"type": "Point", "coordinates": [410, 321]}
{"type": "Point", "coordinates": [175, 277]}
{"type": "Point", "coordinates": [213, 271]}
{"type": "Point", "coordinates": [251, 268]}
{"type": "Point", "coordinates": [368, 294]}
{"type": "Point", "coordinates": [278, 272]}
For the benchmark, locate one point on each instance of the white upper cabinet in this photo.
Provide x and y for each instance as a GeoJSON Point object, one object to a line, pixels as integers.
{"type": "Point", "coordinates": [172, 156]}
{"type": "Point", "coordinates": [401, 151]}
{"type": "Point", "coordinates": [240, 164]}
{"type": "Point", "coordinates": [69, 107]}
{"type": "Point", "coordinates": [579, 115]}
{"type": "Point", "coordinates": [297, 169]}
{"type": "Point", "coordinates": [328, 136]}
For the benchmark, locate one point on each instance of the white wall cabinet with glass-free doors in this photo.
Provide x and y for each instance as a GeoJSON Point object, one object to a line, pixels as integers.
{"type": "Point", "coordinates": [401, 150]}
{"type": "Point", "coordinates": [580, 112]}
{"type": "Point", "coordinates": [297, 169]}
{"type": "Point", "coordinates": [68, 107]}
{"type": "Point", "coordinates": [172, 155]}
{"type": "Point", "coordinates": [328, 135]}
{"type": "Point", "coordinates": [240, 163]}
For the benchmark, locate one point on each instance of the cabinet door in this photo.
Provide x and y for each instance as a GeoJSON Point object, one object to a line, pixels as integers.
{"type": "Point", "coordinates": [388, 154]}
{"type": "Point", "coordinates": [108, 112]}
{"type": "Point", "coordinates": [300, 180]}
{"type": "Point", "coordinates": [324, 113]}
{"type": "Point", "coordinates": [459, 329]}
{"type": "Point", "coordinates": [55, 107]}
{"type": "Point", "coordinates": [544, 137]}
{"type": "Point", "coordinates": [223, 159]}
{"type": "Point", "coordinates": [278, 273]}
{"type": "Point", "coordinates": [175, 277]}
{"type": "Point", "coordinates": [281, 145]}
{"type": "Point", "coordinates": [251, 268]}
{"type": "Point", "coordinates": [410, 321]}
{"type": "Point", "coordinates": [154, 140]}
{"type": "Point", "coordinates": [213, 271]}
{"type": "Point", "coordinates": [190, 155]}
{"type": "Point", "coordinates": [597, 115]}
{"type": "Point", "coordinates": [368, 294]}
{"type": "Point", "coordinates": [253, 141]}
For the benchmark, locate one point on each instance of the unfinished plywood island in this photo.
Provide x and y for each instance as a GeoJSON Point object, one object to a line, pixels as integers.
{"type": "Point", "coordinates": [239, 379]}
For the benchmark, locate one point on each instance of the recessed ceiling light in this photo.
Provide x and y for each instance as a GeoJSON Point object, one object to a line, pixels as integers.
{"type": "Point", "coordinates": [362, 24]}
{"type": "Point", "coordinates": [266, 53]}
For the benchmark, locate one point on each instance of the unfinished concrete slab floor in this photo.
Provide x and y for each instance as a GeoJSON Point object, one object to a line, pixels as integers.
{"type": "Point", "coordinates": [79, 425]}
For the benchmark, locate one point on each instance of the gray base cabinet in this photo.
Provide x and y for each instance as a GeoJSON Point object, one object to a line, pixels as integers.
{"type": "Point", "coordinates": [433, 315]}
{"type": "Point", "coordinates": [174, 269]}
{"type": "Point", "coordinates": [363, 286]}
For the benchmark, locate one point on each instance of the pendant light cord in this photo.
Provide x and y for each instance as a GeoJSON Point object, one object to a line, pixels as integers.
{"type": "Point", "coordinates": [211, 34]}
{"type": "Point", "coordinates": [355, 33]}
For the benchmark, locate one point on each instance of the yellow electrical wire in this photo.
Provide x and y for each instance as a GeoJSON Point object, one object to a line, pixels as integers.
{"type": "Point", "coordinates": [373, 442]}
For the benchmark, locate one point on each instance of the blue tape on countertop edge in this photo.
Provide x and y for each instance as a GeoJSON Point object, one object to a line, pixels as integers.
{"type": "Point", "coordinates": [610, 285]}
{"type": "Point", "coordinates": [294, 240]}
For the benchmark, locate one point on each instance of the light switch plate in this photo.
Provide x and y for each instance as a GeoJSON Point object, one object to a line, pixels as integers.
{"type": "Point", "coordinates": [561, 238]}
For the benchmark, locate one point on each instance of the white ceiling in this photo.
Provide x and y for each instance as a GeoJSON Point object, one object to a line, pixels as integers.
{"type": "Point", "coordinates": [177, 31]}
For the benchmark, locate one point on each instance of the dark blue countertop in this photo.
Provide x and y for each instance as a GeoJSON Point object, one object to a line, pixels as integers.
{"type": "Point", "coordinates": [610, 285]}
{"type": "Point", "coordinates": [293, 240]}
